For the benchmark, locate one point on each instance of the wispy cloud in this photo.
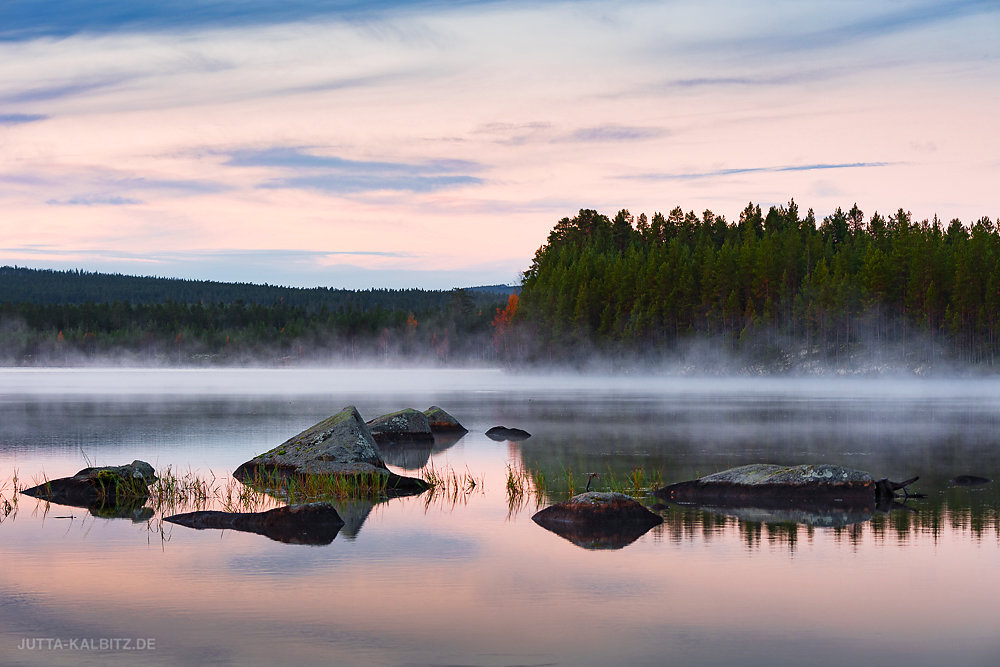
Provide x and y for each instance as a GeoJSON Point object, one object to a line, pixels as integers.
{"type": "Point", "coordinates": [680, 176]}
{"type": "Point", "coordinates": [20, 118]}
{"type": "Point", "coordinates": [516, 134]}
{"type": "Point", "coordinates": [773, 79]}
{"type": "Point", "coordinates": [338, 175]}
{"type": "Point", "coordinates": [829, 27]}
{"type": "Point", "coordinates": [616, 133]}
{"type": "Point", "coordinates": [45, 93]}
{"type": "Point", "coordinates": [31, 19]}
{"type": "Point", "coordinates": [895, 20]}
{"type": "Point", "coordinates": [96, 200]}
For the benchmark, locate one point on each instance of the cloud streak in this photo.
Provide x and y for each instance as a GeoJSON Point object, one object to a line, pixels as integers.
{"type": "Point", "coordinates": [336, 175]}
{"type": "Point", "coordinates": [839, 29]}
{"type": "Point", "coordinates": [31, 19]}
{"type": "Point", "coordinates": [97, 200]}
{"type": "Point", "coordinates": [681, 176]}
{"type": "Point", "coordinates": [616, 133]}
{"type": "Point", "coordinates": [20, 118]}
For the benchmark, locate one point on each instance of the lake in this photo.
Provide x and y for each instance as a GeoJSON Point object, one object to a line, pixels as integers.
{"type": "Point", "coordinates": [464, 576]}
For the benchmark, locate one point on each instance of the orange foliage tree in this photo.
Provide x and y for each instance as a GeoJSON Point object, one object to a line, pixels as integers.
{"type": "Point", "coordinates": [502, 324]}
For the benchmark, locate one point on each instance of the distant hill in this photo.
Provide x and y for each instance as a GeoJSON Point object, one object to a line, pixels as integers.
{"type": "Point", "coordinates": [495, 289]}
{"type": "Point", "coordinates": [43, 286]}
{"type": "Point", "coordinates": [75, 317]}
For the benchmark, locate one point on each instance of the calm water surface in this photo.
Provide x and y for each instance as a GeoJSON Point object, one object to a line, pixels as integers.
{"type": "Point", "coordinates": [468, 578]}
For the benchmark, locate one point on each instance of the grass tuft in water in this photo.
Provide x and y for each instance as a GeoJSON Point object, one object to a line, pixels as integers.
{"type": "Point", "coordinates": [171, 490]}
{"type": "Point", "coordinates": [8, 506]}
{"type": "Point", "coordinates": [523, 483]}
{"type": "Point", "coordinates": [449, 487]}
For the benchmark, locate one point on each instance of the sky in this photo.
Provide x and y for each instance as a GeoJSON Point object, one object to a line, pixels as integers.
{"type": "Point", "coordinates": [434, 144]}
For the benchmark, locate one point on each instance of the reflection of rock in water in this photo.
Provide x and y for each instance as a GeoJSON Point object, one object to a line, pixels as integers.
{"type": "Point", "coordinates": [354, 512]}
{"type": "Point", "coordinates": [828, 518]}
{"type": "Point", "coordinates": [445, 441]}
{"type": "Point", "coordinates": [137, 512]}
{"type": "Point", "coordinates": [598, 537]}
{"type": "Point", "coordinates": [407, 455]}
{"type": "Point", "coordinates": [121, 507]}
{"type": "Point", "coordinates": [970, 480]}
{"type": "Point", "coordinates": [596, 520]}
{"type": "Point", "coordinates": [415, 455]}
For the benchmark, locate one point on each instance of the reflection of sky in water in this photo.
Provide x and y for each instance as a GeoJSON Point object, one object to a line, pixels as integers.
{"type": "Point", "coordinates": [433, 582]}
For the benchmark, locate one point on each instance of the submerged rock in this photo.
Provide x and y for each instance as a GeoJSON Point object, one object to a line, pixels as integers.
{"type": "Point", "coordinates": [312, 523]}
{"type": "Point", "coordinates": [102, 487]}
{"type": "Point", "coordinates": [407, 425]}
{"type": "Point", "coordinates": [598, 520]}
{"type": "Point", "coordinates": [442, 422]}
{"type": "Point", "coordinates": [766, 485]}
{"type": "Point", "coordinates": [339, 445]}
{"type": "Point", "coordinates": [500, 433]}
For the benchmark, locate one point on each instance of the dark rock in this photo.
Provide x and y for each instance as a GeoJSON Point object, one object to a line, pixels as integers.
{"type": "Point", "coordinates": [106, 486]}
{"type": "Point", "coordinates": [769, 486]}
{"type": "Point", "coordinates": [404, 426]}
{"type": "Point", "coordinates": [313, 523]}
{"type": "Point", "coordinates": [340, 445]}
{"type": "Point", "coordinates": [500, 433]}
{"type": "Point", "coordinates": [970, 480]}
{"type": "Point", "coordinates": [442, 422]}
{"type": "Point", "coordinates": [598, 520]}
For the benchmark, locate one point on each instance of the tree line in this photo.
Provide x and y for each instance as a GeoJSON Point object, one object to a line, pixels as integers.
{"type": "Point", "coordinates": [72, 317]}
{"type": "Point", "coordinates": [779, 288]}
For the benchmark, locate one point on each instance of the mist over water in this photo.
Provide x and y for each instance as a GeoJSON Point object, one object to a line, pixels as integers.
{"type": "Point", "coordinates": [130, 382]}
{"type": "Point", "coordinates": [702, 588]}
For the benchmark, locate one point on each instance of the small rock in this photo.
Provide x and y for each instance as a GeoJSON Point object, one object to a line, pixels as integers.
{"type": "Point", "coordinates": [500, 433]}
{"type": "Point", "coordinates": [105, 486]}
{"type": "Point", "coordinates": [442, 422]}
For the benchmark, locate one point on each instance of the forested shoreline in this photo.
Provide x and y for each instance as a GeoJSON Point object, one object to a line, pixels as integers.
{"type": "Point", "coordinates": [775, 291]}
{"type": "Point", "coordinates": [770, 292]}
{"type": "Point", "coordinates": [72, 317]}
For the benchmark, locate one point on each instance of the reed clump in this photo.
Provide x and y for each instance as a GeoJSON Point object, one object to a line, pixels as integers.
{"type": "Point", "coordinates": [296, 488]}
{"type": "Point", "coordinates": [171, 490]}
{"type": "Point", "coordinates": [8, 506]}
{"type": "Point", "coordinates": [523, 482]}
{"type": "Point", "coordinates": [523, 487]}
{"type": "Point", "coordinates": [448, 487]}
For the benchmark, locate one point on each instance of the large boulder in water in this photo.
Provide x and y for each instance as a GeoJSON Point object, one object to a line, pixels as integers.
{"type": "Point", "coordinates": [442, 422]}
{"type": "Point", "coordinates": [768, 485]}
{"type": "Point", "coordinates": [339, 445]}
{"type": "Point", "coordinates": [105, 486]}
{"type": "Point", "coordinates": [407, 425]}
{"type": "Point", "coordinates": [598, 520]}
{"type": "Point", "coordinates": [312, 523]}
